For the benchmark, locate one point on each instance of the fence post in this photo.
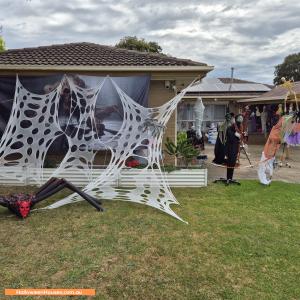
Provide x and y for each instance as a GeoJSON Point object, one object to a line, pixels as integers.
{"type": "Point", "coordinates": [119, 179]}
{"type": "Point", "coordinates": [26, 175]}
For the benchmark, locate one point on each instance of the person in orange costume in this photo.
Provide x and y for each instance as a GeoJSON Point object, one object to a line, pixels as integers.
{"type": "Point", "coordinates": [286, 126]}
{"type": "Point", "coordinates": [274, 140]}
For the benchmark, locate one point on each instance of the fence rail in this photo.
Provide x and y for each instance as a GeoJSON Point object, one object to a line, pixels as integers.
{"type": "Point", "coordinates": [128, 177]}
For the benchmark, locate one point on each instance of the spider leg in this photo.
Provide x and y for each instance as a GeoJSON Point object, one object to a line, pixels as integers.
{"type": "Point", "coordinates": [59, 184]}
{"type": "Point", "coordinates": [95, 199]}
{"type": "Point", "coordinates": [53, 188]}
{"type": "Point", "coordinates": [47, 186]}
{"type": "Point", "coordinates": [94, 202]}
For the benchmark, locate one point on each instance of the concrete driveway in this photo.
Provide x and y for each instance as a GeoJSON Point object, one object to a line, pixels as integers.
{"type": "Point", "coordinates": [281, 173]}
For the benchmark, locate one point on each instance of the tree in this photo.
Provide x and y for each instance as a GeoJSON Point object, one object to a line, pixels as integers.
{"type": "Point", "coordinates": [2, 44]}
{"type": "Point", "coordinates": [133, 43]}
{"type": "Point", "coordinates": [290, 69]}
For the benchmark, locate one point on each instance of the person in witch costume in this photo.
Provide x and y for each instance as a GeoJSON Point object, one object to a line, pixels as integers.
{"type": "Point", "coordinates": [219, 149]}
{"type": "Point", "coordinates": [232, 146]}
{"type": "Point", "coordinates": [230, 140]}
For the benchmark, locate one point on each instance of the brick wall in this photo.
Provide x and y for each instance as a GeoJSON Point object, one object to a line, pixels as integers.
{"type": "Point", "coordinates": [158, 95]}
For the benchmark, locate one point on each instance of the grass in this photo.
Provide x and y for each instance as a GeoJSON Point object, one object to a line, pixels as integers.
{"type": "Point", "coordinates": [241, 243]}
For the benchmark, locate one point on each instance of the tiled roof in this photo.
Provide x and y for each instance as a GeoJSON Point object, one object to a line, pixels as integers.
{"type": "Point", "coordinates": [225, 94]}
{"type": "Point", "coordinates": [222, 85]}
{"type": "Point", "coordinates": [277, 93]}
{"type": "Point", "coordinates": [236, 80]}
{"type": "Point", "coordinates": [88, 54]}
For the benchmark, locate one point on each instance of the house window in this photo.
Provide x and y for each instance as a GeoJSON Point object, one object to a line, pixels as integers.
{"type": "Point", "coordinates": [213, 113]}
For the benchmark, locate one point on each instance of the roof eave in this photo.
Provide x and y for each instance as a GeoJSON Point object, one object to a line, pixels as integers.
{"type": "Point", "coordinates": [70, 68]}
{"type": "Point", "coordinates": [219, 97]}
{"type": "Point", "coordinates": [259, 99]}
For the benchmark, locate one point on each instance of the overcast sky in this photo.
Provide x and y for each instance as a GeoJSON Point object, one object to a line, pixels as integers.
{"type": "Point", "coordinates": [251, 36]}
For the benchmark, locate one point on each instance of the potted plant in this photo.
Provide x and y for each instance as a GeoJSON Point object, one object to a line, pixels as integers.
{"type": "Point", "coordinates": [184, 150]}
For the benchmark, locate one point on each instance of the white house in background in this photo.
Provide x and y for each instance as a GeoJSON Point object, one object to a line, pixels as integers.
{"type": "Point", "coordinates": [218, 95]}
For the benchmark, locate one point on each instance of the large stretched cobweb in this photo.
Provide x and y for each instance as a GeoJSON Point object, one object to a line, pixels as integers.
{"type": "Point", "coordinates": [35, 117]}
{"type": "Point", "coordinates": [80, 130]}
{"type": "Point", "coordinates": [141, 132]}
{"type": "Point", "coordinates": [31, 129]}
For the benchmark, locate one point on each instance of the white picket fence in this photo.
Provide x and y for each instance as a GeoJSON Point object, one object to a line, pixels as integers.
{"type": "Point", "coordinates": [129, 177]}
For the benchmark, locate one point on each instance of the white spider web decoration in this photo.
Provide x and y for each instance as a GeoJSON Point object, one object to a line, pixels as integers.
{"type": "Point", "coordinates": [80, 156]}
{"type": "Point", "coordinates": [34, 125]}
{"type": "Point", "coordinates": [31, 129]}
{"type": "Point", "coordinates": [142, 128]}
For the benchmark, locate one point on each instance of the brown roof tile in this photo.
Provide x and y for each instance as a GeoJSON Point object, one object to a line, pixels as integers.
{"type": "Point", "coordinates": [277, 93]}
{"type": "Point", "coordinates": [227, 80]}
{"type": "Point", "coordinates": [234, 80]}
{"type": "Point", "coordinates": [280, 92]}
{"type": "Point", "coordinates": [88, 54]}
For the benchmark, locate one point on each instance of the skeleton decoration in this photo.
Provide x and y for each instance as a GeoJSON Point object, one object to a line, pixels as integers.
{"type": "Point", "coordinates": [21, 204]}
{"type": "Point", "coordinates": [34, 125]}
{"type": "Point", "coordinates": [199, 112]}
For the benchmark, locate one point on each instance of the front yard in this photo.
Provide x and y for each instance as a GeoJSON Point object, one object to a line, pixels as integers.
{"type": "Point", "coordinates": [241, 243]}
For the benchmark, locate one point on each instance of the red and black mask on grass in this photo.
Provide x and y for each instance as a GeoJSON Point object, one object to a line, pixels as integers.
{"type": "Point", "coordinates": [24, 207]}
{"type": "Point", "coordinates": [20, 204]}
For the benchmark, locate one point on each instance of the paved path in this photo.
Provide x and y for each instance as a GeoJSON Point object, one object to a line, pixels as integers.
{"type": "Point", "coordinates": [283, 174]}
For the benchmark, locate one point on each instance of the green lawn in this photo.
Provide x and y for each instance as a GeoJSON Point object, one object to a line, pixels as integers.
{"type": "Point", "coordinates": [241, 243]}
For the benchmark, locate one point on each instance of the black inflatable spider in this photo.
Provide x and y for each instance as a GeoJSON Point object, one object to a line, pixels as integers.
{"type": "Point", "coordinates": [21, 204]}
